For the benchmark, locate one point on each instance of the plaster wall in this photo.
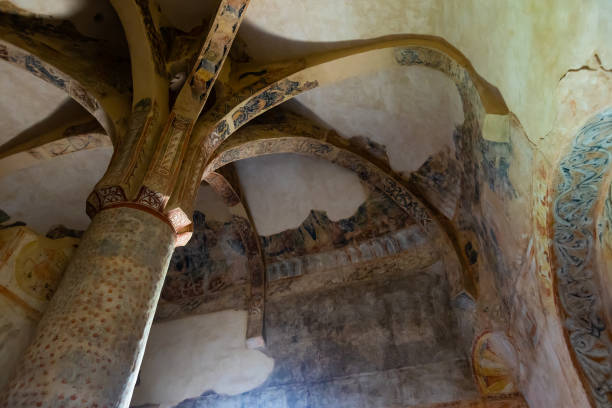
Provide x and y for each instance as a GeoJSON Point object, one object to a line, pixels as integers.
{"type": "Point", "coordinates": [282, 189]}
{"type": "Point", "coordinates": [188, 356]}
{"type": "Point", "coordinates": [411, 111]}
{"type": "Point", "coordinates": [522, 47]}
{"type": "Point", "coordinates": [31, 101]}
{"type": "Point", "coordinates": [54, 191]}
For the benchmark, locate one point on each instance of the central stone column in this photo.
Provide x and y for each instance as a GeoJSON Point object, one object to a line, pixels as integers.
{"type": "Point", "coordinates": [89, 343]}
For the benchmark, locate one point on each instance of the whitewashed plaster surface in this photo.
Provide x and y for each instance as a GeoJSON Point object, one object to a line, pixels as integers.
{"type": "Point", "coordinates": [187, 357]}
{"type": "Point", "coordinates": [523, 47]}
{"type": "Point", "coordinates": [54, 191]}
{"type": "Point", "coordinates": [412, 111]}
{"type": "Point", "coordinates": [26, 100]}
{"type": "Point", "coordinates": [281, 190]}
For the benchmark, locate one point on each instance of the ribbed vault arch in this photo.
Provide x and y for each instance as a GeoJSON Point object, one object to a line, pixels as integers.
{"type": "Point", "coordinates": [253, 90]}
{"type": "Point", "coordinates": [258, 89]}
{"type": "Point", "coordinates": [293, 134]}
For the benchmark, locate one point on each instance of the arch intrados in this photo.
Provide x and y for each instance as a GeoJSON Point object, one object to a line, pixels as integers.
{"type": "Point", "coordinates": [54, 76]}
{"type": "Point", "coordinates": [366, 170]}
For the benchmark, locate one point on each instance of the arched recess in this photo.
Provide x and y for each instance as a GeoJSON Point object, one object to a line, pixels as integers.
{"type": "Point", "coordinates": [294, 134]}
{"type": "Point", "coordinates": [580, 190]}
{"type": "Point", "coordinates": [259, 89]}
{"type": "Point", "coordinates": [254, 90]}
{"type": "Point", "coordinates": [78, 66]}
{"type": "Point", "coordinates": [102, 99]}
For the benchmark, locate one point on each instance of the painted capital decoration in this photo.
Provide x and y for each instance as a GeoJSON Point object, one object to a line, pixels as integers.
{"type": "Point", "coordinates": [145, 170]}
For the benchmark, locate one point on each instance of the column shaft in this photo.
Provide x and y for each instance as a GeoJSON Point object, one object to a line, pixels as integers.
{"type": "Point", "coordinates": [90, 341]}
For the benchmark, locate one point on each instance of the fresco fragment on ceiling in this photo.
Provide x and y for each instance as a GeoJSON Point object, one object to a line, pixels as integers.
{"type": "Point", "coordinates": [379, 228]}
{"type": "Point", "coordinates": [378, 215]}
{"type": "Point", "coordinates": [210, 273]}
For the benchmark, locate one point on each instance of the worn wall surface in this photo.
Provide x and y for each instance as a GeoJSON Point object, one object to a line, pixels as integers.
{"type": "Point", "coordinates": [34, 102]}
{"type": "Point", "coordinates": [31, 267]}
{"type": "Point", "coordinates": [493, 178]}
{"type": "Point", "coordinates": [282, 189]}
{"type": "Point", "coordinates": [54, 191]}
{"type": "Point", "coordinates": [370, 335]}
{"type": "Point", "coordinates": [395, 108]}
{"type": "Point", "coordinates": [209, 274]}
{"type": "Point", "coordinates": [357, 312]}
{"type": "Point", "coordinates": [529, 45]}
{"type": "Point", "coordinates": [191, 355]}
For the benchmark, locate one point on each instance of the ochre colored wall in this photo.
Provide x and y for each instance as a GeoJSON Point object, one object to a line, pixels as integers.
{"type": "Point", "coordinates": [30, 269]}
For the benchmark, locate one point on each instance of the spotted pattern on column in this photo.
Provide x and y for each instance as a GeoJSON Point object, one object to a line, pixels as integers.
{"type": "Point", "coordinates": [93, 334]}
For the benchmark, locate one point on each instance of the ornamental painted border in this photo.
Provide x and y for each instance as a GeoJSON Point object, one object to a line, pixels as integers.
{"type": "Point", "coordinates": [582, 172]}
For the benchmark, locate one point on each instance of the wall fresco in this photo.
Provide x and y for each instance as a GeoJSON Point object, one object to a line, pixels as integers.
{"type": "Point", "coordinates": [31, 267]}
{"type": "Point", "coordinates": [495, 364]}
{"type": "Point", "coordinates": [475, 187]}
{"type": "Point", "coordinates": [377, 216]}
{"type": "Point", "coordinates": [489, 210]}
{"type": "Point", "coordinates": [210, 273]}
{"type": "Point", "coordinates": [366, 341]}
{"type": "Point", "coordinates": [581, 174]}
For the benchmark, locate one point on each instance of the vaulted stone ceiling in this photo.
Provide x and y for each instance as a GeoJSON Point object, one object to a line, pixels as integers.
{"type": "Point", "coordinates": [411, 113]}
{"type": "Point", "coordinates": [475, 153]}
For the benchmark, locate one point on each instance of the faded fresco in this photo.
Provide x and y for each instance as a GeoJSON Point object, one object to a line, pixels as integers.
{"type": "Point", "coordinates": [581, 175]}
{"type": "Point", "coordinates": [210, 273]}
{"type": "Point", "coordinates": [380, 340]}
{"type": "Point", "coordinates": [31, 267]}
{"type": "Point", "coordinates": [467, 282]}
{"type": "Point", "coordinates": [377, 216]}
